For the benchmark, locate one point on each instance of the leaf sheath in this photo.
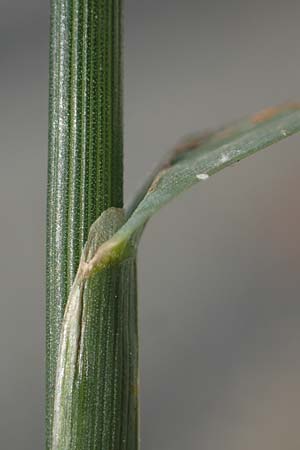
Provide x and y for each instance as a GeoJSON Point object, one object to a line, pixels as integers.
{"type": "Point", "coordinates": [96, 391]}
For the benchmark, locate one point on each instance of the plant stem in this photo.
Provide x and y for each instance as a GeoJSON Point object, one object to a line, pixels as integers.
{"type": "Point", "coordinates": [85, 177]}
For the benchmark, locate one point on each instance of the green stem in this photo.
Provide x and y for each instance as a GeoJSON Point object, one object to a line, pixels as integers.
{"type": "Point", "coordinates": [85, 178]}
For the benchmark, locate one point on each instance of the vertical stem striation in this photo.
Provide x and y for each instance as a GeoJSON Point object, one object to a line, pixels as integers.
{"type": "Point", "coordinates": [96, 391]}
{"type": "Point", "coordinates": [85, 168]}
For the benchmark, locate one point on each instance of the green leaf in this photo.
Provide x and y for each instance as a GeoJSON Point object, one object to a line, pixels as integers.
{"type": "Point", "coordinates": [194, 162]}
{"type": "Point", "coordinates": [98, 357]}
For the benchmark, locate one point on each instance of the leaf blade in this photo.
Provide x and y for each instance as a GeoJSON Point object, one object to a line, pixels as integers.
{"type": "Point", "coordinates": [216, 153]}
{"type": "Point", "coordinates": [191, 165]}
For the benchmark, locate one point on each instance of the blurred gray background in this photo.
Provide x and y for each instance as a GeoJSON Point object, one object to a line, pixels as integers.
{"type": "Point", "coordinates": [219, 267]}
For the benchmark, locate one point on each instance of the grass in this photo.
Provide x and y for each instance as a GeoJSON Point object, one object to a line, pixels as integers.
{"type": "Point", "coordinates": [92, 325]}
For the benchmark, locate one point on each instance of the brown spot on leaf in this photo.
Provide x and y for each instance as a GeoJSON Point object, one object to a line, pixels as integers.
{"type": "Point", "coordinates": [191, 143]}
{"type": "Point", "coordinates": [224, 133]}
{"type": "Point", "coordinates": [264, 115]}
{"type": "Point", "coordinates": [188, 144]}
{"type": "Point", "coordinates": [156, 180]}
{"type": "Point", "coordinates": [269, 113]}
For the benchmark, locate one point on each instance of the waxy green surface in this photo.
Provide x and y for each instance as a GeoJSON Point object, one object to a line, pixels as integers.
{"type": "Point", "coordinates": [85, 149]}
